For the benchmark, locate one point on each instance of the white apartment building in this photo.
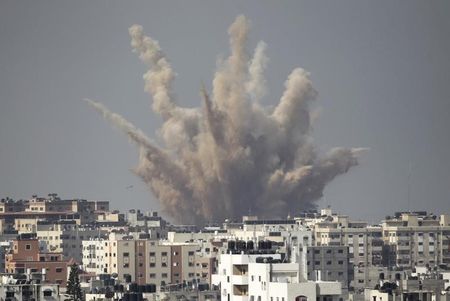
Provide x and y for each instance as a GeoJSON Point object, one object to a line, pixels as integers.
{"type": "Point", "coordinates": [257, 277]}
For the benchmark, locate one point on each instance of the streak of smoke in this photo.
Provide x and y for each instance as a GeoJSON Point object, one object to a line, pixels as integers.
{"type": "Point", "coordinates": [232, 154]}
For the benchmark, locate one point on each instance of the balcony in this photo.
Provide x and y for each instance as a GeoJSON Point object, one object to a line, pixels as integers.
{"type": "Point", "coordinates": [240, 279]}
{"type": "Point", "coordinates": [240, 290]}
{"type": "Point", "coordinates": [240, 269]}
{"type": "Point", "coordinates": [240, 298]}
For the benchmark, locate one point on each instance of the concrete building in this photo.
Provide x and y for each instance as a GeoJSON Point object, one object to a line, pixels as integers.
{"type": "Point", "coordinates": [142, 260]}
{"type": "Point", "coordinates": [52, 207]}
{"type": "Point", "coordinates": [417, 239]}
{"type": "Point", "coordinates": [329, 263]}
{"type": "Point", "coordinates": [65, 237]}
{"type": "Point", "coordinates": [28, 289]}
{"type": "Point", "coordinates": [414, 287]}
{"type": "Point", "coordinates": [26, 258]}
{"type": "Point", "coordinates": [150, 222]}
{"type": "Point", "coordinates": [262, 277]}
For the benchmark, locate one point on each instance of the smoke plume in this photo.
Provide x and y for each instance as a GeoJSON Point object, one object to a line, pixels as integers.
{"type": "Point", "coordinates": [232, 155]}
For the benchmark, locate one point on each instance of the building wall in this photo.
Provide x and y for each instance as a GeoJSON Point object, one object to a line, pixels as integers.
{"type": "Point", "coordinates": [25, 255]}
{"type": "Point", "coordinates": [158, 263]}
{"type": "Point", "coordinates": [331, 262]}
{"type": "Point", "coordinates": [126, 258]}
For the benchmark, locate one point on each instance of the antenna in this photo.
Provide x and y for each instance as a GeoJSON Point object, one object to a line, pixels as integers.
{"type": "Point", "coordinates": [409, 186]}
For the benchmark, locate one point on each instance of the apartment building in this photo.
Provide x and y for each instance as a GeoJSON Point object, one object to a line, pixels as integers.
{"type": "Point", "coordinates": [329, 263]}
{"type": "Point", "coordinates": [417, 239]}
{"type": "Point", "coordinates": [19, 290]}
{"type": "Point", "coordinates": [10, 205]}
{"type": "Point", "coordinates": [150, 222]}
{"type": "Point", "coordinates": [26, 258]}
{"type": "Point", "coordinates": [65, 237]}
{"type": "Point", "coordinates": [52, 208]}
{"type": "Point", "coordinates": [262, 277]}
{"type": "Point", "coordinates": [141, 259]}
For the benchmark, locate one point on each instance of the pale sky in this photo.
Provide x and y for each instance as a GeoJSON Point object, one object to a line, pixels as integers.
{"type": "Point", "coordinates": [382, 70]}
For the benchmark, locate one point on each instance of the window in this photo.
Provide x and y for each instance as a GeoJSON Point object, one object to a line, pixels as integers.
{"type": "Point", "coordinates": [164, 264]}
{"type": "Point", "coordinates": [126, 254]}
{"type": "Point", "coordinates": [164, 275]}
{"type": "Point", "coordinates": [191, 253]}
{"type": "Point", "coordinates": [163, 254]}
{"type": "Point", "coordinates": [152, 275]}
{"type": "Point", "coordinates": [28, 247]}
{"type": "Point", "coordinates": [152, 253]}
{"type": "Point", "coordinates": [58, 270]}
{"type": "Point", "coordinates": [152, 264]}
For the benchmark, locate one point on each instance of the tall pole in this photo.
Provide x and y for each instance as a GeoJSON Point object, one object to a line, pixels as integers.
{"type": "Point", "coordinates": [409, 187]}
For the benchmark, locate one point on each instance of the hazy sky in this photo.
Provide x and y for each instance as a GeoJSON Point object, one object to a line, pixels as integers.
{"type": "Point", "coordinates": [382, 69]}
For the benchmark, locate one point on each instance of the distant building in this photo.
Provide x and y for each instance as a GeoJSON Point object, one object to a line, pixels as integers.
{"type": "Point", "coordinates": [141, 260]}
{"type": "Point", "coordinates": [26, 258]}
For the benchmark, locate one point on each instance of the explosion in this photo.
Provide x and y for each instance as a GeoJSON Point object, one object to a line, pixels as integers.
{"type": "Point", "coordinates": [232, 154]}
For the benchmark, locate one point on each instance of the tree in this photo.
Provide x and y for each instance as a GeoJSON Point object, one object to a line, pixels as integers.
{"type": "Point", "coordinates": [73, 284]}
